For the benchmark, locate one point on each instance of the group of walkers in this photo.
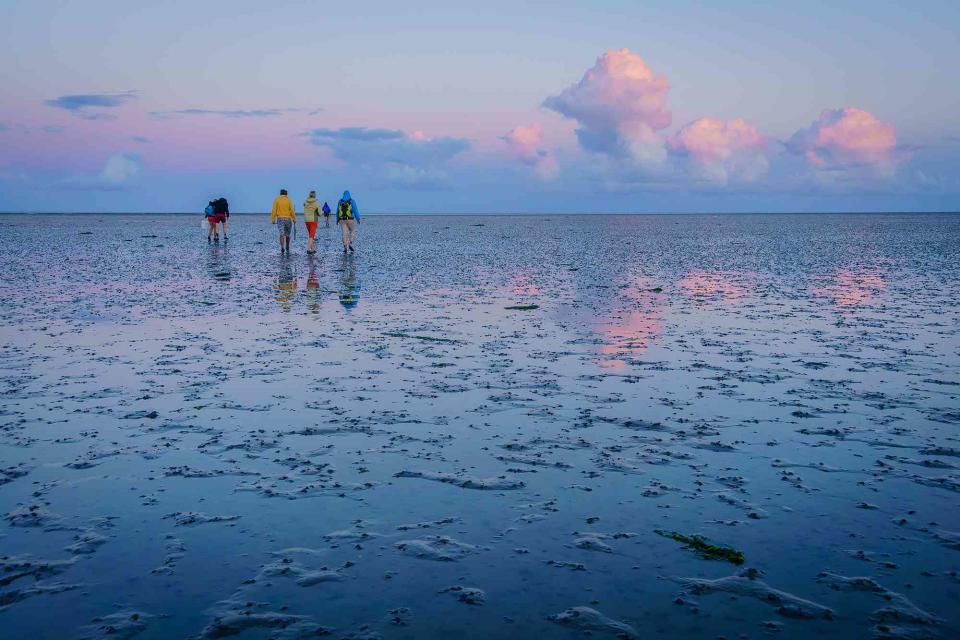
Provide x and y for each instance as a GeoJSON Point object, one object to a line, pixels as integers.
{"type": "Point", "coordinates": [216, 213]}
{"type": "Point", "coordinates": [284, 215]}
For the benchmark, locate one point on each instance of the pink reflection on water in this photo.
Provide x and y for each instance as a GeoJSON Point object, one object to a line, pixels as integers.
{"type": "Point", "coordinates": [849, 288]}
{"type": "Point", "coordinates": [704, 285]}
{"type": "Point", "coordinates": [631, 332]}
{"type": "Point", "coordinates": [522, 286]}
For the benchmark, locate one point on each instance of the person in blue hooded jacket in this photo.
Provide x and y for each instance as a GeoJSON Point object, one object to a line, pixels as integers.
{"type": "Point", "coordinates": [348, 216]}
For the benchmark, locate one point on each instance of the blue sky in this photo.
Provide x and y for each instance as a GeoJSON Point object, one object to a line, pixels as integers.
{"type": "Point", "coordinates": [501, 107]}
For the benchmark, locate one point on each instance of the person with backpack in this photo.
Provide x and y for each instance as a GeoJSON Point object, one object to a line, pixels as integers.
{"type": "Point", "coordinates": [284, 215]}
{"type": "Point", "coordinates": [221, 209]}
{"type": "Point", "coordinates": [210, 213]}
{"type": "Point", "coordinates": [310, 210]}
{"type": "Point", "coordinates": [326, 214]}
{"type": "Point", "coordinates": [348, 216]}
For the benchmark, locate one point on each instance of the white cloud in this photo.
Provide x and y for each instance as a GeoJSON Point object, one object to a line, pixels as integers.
{"type": "Point", "coordinates": [119, 171]}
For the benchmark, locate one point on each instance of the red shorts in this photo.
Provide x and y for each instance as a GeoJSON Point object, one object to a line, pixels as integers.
{"type": "Point", "coordinates": [312, 228]}
{"type": "Point", "coordinates": [219, 217]}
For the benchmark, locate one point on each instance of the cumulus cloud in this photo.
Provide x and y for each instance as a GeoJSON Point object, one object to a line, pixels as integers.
{"type": "Point", "coordinates": [526, 144]}
{"type": "Point", "coordinates": [620, 104]}
{"type": "Point", "coordinates": [414, 161]}
{"type": "Point", "coordinates": [118, 172]}
{"type": "Point", "coordinates": [81, 105]}
{"type": "Point", "coordinates": [362, 134]}
{"type": "Point", "coordinates": [231, 113]}
{"type": "Point", "coordinates": [718, 151]}
{"type": "Point", "coordinates": [845, 138]}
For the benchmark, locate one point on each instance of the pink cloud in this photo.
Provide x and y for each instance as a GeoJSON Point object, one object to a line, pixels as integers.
{"type": "Point", "coordinates": [719, 150]}
{"type": "Point", "coordinates": [526, 144]}
{"type": "Point", "coordinates": [619, 103]}
{"type": "Point", "coordinates": [844, 137]}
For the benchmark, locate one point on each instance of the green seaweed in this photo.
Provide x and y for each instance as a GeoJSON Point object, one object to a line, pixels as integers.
{"type": "Point", "coordinates": [656, 290]}
{"type": "Point", "coordinates": [523, 307]}
{"type": "Point", "coordinates": [704, 548]}
{"type": "Point", "coordinates": [398, 334]}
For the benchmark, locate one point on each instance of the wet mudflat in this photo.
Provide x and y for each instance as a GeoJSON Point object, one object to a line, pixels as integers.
{"type": "Point", "coordinates": [481, 427]}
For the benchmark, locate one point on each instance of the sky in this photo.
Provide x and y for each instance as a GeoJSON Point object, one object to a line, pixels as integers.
{"type": "Point", "coordinates": [493, 107]}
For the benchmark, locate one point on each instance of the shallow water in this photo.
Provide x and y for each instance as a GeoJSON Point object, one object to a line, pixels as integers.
{"type": "Point", "coordinates": [206, 440]}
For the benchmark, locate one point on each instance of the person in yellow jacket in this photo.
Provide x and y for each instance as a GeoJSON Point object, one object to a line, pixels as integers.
{"type": "Point", "coordinates": [284, 215]}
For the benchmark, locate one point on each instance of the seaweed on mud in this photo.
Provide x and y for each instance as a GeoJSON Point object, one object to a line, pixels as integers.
{"type": "Point", "coordinates": [400, 334]}
{"type": "Point", "coordinates": [522, 307]}
{"type": "Point", "coordinates": [704, 548]}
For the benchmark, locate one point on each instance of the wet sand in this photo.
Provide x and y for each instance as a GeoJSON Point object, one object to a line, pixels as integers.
{"type": "Point", "coordinates": [481, 427]}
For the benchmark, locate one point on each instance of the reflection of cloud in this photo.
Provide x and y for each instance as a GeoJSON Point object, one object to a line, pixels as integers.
{"type": "Point", "coordinates": [629, 333]}
{"type": "Point", "coordinates": [846, 137]}
{"type": "Point", "coordinates": [80, 105]}
{"type": "Point", "coordinates": [522, 286]}
{"type": "Point", "coordinates": [710, 285]}
{"type": "Point", "coordinates": [526, 144]}
{"type": "Point", "coordinates": [118, 172]}
{"type": "Point", "coordinates": [851, 288]}
{"type": "Point", "coordinates": [620, 105]}
{"type": "Point", "coordinates": [718, 150]}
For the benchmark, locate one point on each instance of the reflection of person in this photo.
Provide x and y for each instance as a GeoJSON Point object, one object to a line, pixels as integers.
{"type": "Point", "coordinates": [349, 287]}
{"type": "Point", "coordinates": [310, 210]}
{"type": "Point", "coordinates": [285, 286]}
{"type": "Point", "coordinates": [283, 215]}
{"type": "Point", "coordinates": [326, 214]}
{"type": "Point", "coordinates": [348, 216]}
{"type": "Point", "coordinates": [313, 289]}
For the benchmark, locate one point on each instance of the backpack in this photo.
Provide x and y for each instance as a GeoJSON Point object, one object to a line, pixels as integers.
{"type": "Point", "coordinates": [208, 211]}
{"type": "Point", "coordinates": [345, 210]}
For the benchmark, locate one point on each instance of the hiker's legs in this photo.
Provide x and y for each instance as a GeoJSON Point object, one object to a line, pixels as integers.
{"type": "Point", "coordinates": [210, 226]}
{"type": "Point", "coordinates": [288, 243]}
{"type": "Point", "coordinates": [352, 225]}
{"type": "Point", "coordinates": [224, 224]}
{"type": "Point", "coordinates": [344, 232]}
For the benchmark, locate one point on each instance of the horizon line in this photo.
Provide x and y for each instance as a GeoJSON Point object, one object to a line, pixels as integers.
{"type": "Point", "coordinates": [508, 213]}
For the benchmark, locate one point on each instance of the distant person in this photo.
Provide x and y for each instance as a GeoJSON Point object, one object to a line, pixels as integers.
{"type": "Point", "coordinates": [348, 216]}
{"type": "Point", "coordinates": [221, 208]}
{"type": "Point", "coordinates": [326, 214]}
{"type": "Point", "coordinates": [211, 213]}
{"type": "Point", "coordinates": [283, 215]}
{"type": "Point", "coordinates": [311, 209]}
